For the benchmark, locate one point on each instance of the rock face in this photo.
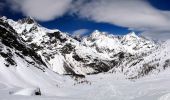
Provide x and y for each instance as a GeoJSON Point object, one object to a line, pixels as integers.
{"type": "Point", "coordinates": [131, 55]}
{"type": "Point", "coordinates": [12, 45]}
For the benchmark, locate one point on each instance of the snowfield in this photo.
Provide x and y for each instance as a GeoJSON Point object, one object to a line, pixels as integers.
{"type": "Point", "coordinates": [97, 87]}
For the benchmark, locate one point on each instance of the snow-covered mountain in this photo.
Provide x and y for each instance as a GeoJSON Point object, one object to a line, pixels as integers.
{"type": "Point", "coordinates": [38, 61]}
{"type": "Point", "coordinates": [108, 43]}
{"type": "Point", "coordinates": [22, 67]}
{"type": "Point", "coordinates": [99, 52]}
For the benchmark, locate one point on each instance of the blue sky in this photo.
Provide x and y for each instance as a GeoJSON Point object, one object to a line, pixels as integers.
{"type": "Point", "coordinates": [148, 17]}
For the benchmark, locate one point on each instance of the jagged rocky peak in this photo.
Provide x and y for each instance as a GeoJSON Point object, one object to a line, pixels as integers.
{"type": "Point", "coordinates": [99, 52]}
{"type": "Point", "coordinates": [132, 35]}
{"type": "Point", "coordinates": [100, 36]}
{"type": "Point", "coordinates": [132, 38]}
{"type": "Point", "coordinates": [28, 20]}
{"type": "Point", "coordinates": [10, 39]}
{"type": "Point", "coordinates": [97, 34]}
{"type": "Point", "coordinates": [3, 17]}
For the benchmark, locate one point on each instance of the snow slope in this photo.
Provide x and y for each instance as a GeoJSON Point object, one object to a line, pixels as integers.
{"type": "Point", "coordinates": [99, 52]}
{"type": "Point", "coordinates": [34, 61]}
{"type": "Point", "coordinates": [105, 86]}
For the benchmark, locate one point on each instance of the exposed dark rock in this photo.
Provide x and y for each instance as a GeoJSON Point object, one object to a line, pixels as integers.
{"type": "Point", "coordinates": [77, 58]}
{"type": "Point", "coordinates": [67, 49]}
{"type": "Point", "coordinates": [58, 36]}
{"type": "Point", "coordinates": [37, 92]}
{"type": "Point", "coordinates": [9, 38]}
{"type": "Point", "coordinates": [167, 63]}
{"type": "Point", "coordinates": [27, 20]}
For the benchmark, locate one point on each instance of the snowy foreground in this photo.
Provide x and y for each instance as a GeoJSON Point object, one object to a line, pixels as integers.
{"type": "Point", "coordinates": [97, 87]}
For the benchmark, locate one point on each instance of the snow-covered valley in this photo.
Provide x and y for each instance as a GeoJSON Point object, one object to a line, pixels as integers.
{"type": "Point", "coordinates": [42, 64]}
{"type": "Point", "coordinates": [100, 87]}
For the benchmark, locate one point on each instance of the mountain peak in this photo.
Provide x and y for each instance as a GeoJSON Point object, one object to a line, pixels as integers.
{"type": "Point", "coordinates": [97, 33]}
{"type": "Point", "coordinates": [28, 20]}
{"type": "Point", "coordinates": [132, 34]}
{"type": "Point", "coordinates": [3, 17]}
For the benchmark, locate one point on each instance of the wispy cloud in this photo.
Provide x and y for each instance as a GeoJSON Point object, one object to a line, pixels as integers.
{"type": "Point", "coordinates": [157, 35]}
{"type": "Point", "coordinates": [43, 10]}
{"type": "Point", "coordinates": [134, 14]}
{"type": "Point", "coordinates": [80, 32]}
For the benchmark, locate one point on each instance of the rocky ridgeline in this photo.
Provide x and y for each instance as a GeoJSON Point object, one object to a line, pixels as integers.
{"type": "Point", "coordinates": [99, 52]}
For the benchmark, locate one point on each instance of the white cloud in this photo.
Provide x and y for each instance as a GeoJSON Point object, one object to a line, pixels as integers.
{"type": "Point", "coordinates": [133, 14]}
{"type": "Point", "coordinates": [157, 35]}
{"type": "Point", "coordinates": [80, 32]}
{"type": "Point", "coordinates": [43, 10]}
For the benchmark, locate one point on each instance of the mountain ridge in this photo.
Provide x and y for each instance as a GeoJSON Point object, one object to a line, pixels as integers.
{"type": "Point", "coordinates": [97, 53]}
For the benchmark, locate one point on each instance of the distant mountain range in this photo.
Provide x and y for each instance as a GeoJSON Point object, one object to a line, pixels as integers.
{"type": "Point", "coordinates": [27, 48]}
